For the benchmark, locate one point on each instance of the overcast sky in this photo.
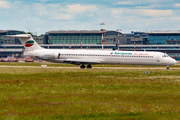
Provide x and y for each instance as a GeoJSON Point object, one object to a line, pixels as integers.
{"type": "Point", "coordinates": [129, 15]}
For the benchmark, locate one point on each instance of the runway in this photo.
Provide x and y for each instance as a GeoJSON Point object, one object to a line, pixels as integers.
{"type": "Point", "coordinates": [44, 67]}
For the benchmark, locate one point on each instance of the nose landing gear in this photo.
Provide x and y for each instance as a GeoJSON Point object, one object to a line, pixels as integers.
{"type": "Point", "coordinates": [167, 68]}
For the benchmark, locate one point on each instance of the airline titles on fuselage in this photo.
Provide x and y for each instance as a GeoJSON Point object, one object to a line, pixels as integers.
{"type": "Point", "coordinates": [121, 53]}
{"type": "Point", "coordinates": [114, 54]}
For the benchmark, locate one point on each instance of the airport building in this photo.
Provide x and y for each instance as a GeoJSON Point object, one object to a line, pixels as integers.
{"type": "Point", "coordinates": [93, 37]}
{"type": "Point", "coordinates": [163, 37]}
{"type": "Point", "coordinates": [138, 38]}
{"type": "Point", "coordinates": [9, 40]}
{"type": "Point", "coordinates": [10, 46]}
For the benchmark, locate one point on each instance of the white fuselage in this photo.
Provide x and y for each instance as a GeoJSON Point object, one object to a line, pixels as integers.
{"type": "Point", "coordinates": [102, 57]}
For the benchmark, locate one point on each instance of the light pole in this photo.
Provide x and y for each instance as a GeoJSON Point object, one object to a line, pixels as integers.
{"type": "Point", "coordinates": [118, 37]}
{"type": "Point", "coordinates": [63, 43]}
{"type": "Point", "coordinates": [134, 45]}
{"type": "Point", "coordinates": [81, 42]}
{"type": "Point", "coordinates": [102, 33]}
{"type": "Point", "coordinates": [48, 42]}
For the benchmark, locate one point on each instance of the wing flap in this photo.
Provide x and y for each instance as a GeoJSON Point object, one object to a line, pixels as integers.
{"type": "Point", "coordinates": [84, 61]}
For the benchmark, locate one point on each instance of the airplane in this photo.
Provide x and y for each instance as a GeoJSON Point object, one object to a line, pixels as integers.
{"type": "Point", "coordinates": [89, 57]}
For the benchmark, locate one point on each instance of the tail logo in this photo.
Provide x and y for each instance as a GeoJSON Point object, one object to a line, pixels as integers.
{"type": "Point", "coordinates": [29, 43]}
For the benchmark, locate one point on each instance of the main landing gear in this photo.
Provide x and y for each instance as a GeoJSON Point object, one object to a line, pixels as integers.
{"type": "Point", "coordinates": [167, 68]}
{"type": "Point", "coordinates": [83, 66]}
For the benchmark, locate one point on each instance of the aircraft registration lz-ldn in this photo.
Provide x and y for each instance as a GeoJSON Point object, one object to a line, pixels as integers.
{"type": "Point", "coordinates": [89, 57]}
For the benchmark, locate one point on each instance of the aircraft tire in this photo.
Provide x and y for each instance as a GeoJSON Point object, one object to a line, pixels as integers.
{"type": "Point", "coordinates": [89, 66]}
{"type": "Point", "coordinates": [82, 66]}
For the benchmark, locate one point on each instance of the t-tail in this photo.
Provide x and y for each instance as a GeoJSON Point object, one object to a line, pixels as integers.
{"type": "Point", "coordinates": [28, 42]}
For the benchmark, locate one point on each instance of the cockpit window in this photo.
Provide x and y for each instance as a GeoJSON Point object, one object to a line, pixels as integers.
{"type": "Point", "coordinates": [165, 55]}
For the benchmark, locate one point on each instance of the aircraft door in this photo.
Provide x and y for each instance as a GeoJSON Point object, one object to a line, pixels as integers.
{"type": "Point", "coordinates": [57, 55]}
{"type": "Point", "coordinates": [158, 59]}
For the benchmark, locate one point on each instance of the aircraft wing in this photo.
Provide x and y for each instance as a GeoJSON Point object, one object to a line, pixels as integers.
{"type": "Point", "coordinates": [84, 61]}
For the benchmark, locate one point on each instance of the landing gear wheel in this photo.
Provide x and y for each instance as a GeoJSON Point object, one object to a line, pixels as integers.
{"type": "Point", "coordinates": [167, 68]}
{"type": "Point", "coordinates": [82, 66]}
{"type": "Point", "coordinates": [89, 66]}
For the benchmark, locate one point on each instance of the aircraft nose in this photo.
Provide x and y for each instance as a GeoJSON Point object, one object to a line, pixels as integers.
{"type": "Point", "coordinates": [174, 62]}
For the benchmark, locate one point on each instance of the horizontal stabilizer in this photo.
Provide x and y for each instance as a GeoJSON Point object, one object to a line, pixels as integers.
{"type": "Point", "coordinates": [20, 36]}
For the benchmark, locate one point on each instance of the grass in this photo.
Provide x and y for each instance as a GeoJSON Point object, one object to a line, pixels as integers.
{"type": "Point", "coordinates": [63, 93]}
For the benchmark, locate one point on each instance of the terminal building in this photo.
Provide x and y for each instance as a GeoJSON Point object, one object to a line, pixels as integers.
{"type": "Point", "coordinates": [164, 41]}
{"type": "Point", "coordinates": [163, 37]}
{"type": "Point", "coordinates": [92, 39]}
{"type": "Point", "coordinates": [10, 46]}
{"type": "Point", "coordinates": [7, 40]}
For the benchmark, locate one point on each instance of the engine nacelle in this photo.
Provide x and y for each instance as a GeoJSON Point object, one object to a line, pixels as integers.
{"type": "Point", "coordinates": [49, 56]}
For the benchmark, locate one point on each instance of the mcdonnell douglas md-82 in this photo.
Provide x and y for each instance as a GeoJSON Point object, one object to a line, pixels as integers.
{"type": "Point", "coordinates": [89, 57]}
